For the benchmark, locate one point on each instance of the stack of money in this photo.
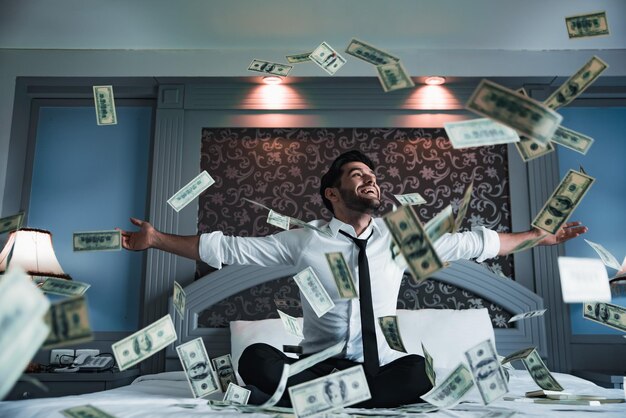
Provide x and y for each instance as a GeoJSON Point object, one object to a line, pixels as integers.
{"type": "Point", "coordinates": [11, 223]}
{"type": "Point", "coordinates": [225, 371]}
{"type": "Point", "coordinates": [313, 290]}
{"type": "Point", "coordinates": [69, 323]}
{"type": "Point", "coordinates": [197, 367]}
{"type": "Point", "coordinates": [105, 105]}
{"type": "Point", "coordinates": [587, 25]}
{"type": "Point", "coordinates": [97, 241]}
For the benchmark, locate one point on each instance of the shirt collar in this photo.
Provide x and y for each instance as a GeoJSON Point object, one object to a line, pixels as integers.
{"type": "Point", "coordinates": [335, 225]}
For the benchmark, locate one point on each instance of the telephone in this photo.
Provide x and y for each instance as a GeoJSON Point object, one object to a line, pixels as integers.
{"type": "Point", "coordinates": [86, 362]}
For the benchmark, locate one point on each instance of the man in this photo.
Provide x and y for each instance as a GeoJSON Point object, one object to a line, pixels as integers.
{"type": "Point", "coordinates": [349, 190]}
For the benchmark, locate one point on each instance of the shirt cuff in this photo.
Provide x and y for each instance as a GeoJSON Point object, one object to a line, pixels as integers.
{"type": "Point", "coordinates": [211, 249]}
{"type": "Point", "coordinates": [491, 243]}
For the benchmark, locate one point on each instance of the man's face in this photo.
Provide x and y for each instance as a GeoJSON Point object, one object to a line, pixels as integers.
{"type": "Point", "coordinates": [358, 189]}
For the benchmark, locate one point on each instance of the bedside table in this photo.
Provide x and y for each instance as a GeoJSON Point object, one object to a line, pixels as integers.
{"type": "Point", "coordinates": [63, 384]}
{"type": "Point", "coordinates": [606, 379]}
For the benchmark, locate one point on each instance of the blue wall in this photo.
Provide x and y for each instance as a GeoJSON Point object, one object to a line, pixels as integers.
{"type": "Point", "coordinates": [604, 206]}
{"type": "Point", "coordinates": [88, 178]}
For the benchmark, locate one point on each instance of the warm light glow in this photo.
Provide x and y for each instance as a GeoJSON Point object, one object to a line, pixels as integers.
{"type": "Point", "coordinates": [272, 79]}
{"type": "Point", "coordinates": [435, 80]}
{"type": "Point", "coordinates": [276, 96]}
{"type": "Point", "coordinates": [433, 98]}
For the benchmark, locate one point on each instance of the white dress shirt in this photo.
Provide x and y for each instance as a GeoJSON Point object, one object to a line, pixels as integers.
{"type": "Point", "coordinates": [306, 247]}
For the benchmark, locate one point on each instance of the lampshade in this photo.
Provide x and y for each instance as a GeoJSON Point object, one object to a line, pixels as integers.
{"type": "Point", "coordinates": [31, 249]}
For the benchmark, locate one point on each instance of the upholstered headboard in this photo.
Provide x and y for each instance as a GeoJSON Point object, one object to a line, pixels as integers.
{"type": "Point", "coordinates": [468, 275]}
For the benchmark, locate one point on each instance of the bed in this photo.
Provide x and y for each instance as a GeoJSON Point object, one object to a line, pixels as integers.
{"type": "Point", "coordinates": [168, 393]}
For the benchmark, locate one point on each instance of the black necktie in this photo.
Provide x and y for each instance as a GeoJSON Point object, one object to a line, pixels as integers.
{"type": "Point", "coordinates": [368, 326]}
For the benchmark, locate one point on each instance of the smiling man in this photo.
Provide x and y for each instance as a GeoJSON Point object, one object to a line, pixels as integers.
{"type": "Point", "coordinates": [350, 191]}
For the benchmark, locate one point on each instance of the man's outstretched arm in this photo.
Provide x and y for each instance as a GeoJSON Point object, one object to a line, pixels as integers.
{"type": "Point", "coordinates": [509, 241]}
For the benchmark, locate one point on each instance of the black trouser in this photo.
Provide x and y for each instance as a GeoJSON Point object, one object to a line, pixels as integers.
{"type": "Point", "coordinates": [400, 382]}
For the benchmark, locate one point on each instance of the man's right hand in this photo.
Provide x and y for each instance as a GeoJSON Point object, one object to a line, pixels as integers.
{"type": "Point", "coordinates": [139, 240]}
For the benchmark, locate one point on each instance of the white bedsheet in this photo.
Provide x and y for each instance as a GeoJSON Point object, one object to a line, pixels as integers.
{"type": "Point", "coordinates": [156, 396]}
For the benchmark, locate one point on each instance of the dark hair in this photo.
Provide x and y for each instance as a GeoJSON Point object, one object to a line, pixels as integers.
{"type": "Point", "coordinates": [332, 178]}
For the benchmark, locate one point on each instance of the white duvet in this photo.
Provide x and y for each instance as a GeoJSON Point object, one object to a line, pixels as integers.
{"type": "Point", "coordinates": [158, 396]}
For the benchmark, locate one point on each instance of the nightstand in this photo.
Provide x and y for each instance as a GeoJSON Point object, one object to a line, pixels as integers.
{"type": "Point", "coordinates": [63, 384]}
{"type": "Point", "coordinates": [606, 379]}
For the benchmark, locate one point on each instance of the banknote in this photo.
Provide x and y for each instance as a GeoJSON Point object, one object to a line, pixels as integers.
{"type": "Point", "coordinates": [197, 367]}
{"type": "Point", "coordinates": [622, 271]}
{"type": "Point", "coordinates": [276, 219]}
{"type": "Point", "coordinates": [417, 250]}
{"type": "Point", "coordinates": [529, 243]}
{"type": "Point", "coordinates": [330, 392]}
{"type": "Point", "coordinates": [327, 58]}
{"type": "Point", "coordinates": [488, 375]}
{"type": "Point", "coordinates": [525, 115]}
{"type": "Point", "coordinates": [307, 362]}
{"type": "Point", "coordinates": [190, 191]}
{"type": "Point", "coordinates": [479, 133]}
{"type": "Point", "coordinates": [391, 330]}
{"type": "Point", "coordinates": [236, 394]}
{"type": "Point", "coordinates": [606, 314]}
{"type": "Point", "coordinates": [442, 223]}
{"type": "Point", "coordinates": [85, 411]}
{"type": "Point", "coordinates": [179, 299]}
{"type": "Point", "coordinates": [583, 279]}
{"type": "Point", "coordinates": [572, 140]}
{"type": "Point", "coordinates": [63, 287]}
{"type": "Point", "coordinates": [452, 389]}
{"type": "Point", "coordinates": [314, 292]}
{"type": "Point", "coordinates": [69, 323]}
{"type": "Point", "coordinates": [460, 215]}
{"type": "Point", "coordinates": [526, 315]}
{"type": "Point", "coordinates": [539, 372]}
{"type": "Point", "coordinates": [267, 67]}
{"type": "Point", "coordinates": [225, 371]}
{"type": "Point", "coordinates": [410, 199]}
{"type": "Point", "coordinates": [298, 58]}
{"type": "Point", "coordinates": [342, 275]}
{"type": "Point", "coordinates": [105, 105]}
{"type": "Point", "coordinates": [393, 76]}
{"type": "Point", "coordinates": [528, 148]}
{"type": "Point", "coordinates": [290, 324]}
{"type": "Point", "coordinates": [608, 259]}
{"type": "Point", "coordinates": [294, 221]}
{"type": "Point", "coordinates": [144, 343]}
{"type": "Point", "coordinates": [576, 84]}
{"type": "Point", "coordinates": [11, 223]}
{"type": "Point", "coordinates": [564, 200]}
{"type": "Point", "coordinates": [429, 365]}
{"type": "Point", "coordinates": [370, 54]}
{"type": "Point", "coordinates": [587, 25]}
{"type": "Point", "coordinates": [97, 241]}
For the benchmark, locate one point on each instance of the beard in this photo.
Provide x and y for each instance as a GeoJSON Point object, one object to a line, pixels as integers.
{"type": "Point", "coordinates": [359, 204]}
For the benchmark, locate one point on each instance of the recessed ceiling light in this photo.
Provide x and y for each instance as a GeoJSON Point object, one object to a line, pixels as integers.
{"type": "Point", "coordinates": [272, 79]}
{"type": "Point", "coordinates": [435, 80]}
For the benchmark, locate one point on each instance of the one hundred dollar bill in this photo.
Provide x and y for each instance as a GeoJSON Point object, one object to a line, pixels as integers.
{"type": "Point", "coordinates": [63, 287]}
{"type": "Point", "coordinates": [85, 411]}
{"type": "Point", "coordinates": [298, 58]}
{"type": "Point", "coordinates": [197, 366]}
{"type": "Point", "coordinates": [97, 241]}
{"type": "Point", "coordinates": [313, 291]}
{"type": "Point", "coordinates": [410, 199]}
{"type": "Point", "coordinates": [225, 371]}
{"type": "Point", "coordinates": [576, 84]}
{"type": "Point", "coordinates": [539, 372]}
{"type": "Point", "coordinates": [583, 279]}
{"type": "Point", "coordinates": [518, 355]}
{"type": "Point", "coordinates": [236, 394]}
{"type": "Point", "coordinates": [528, 148]}
{"type": "Point", "coordinates": [105, 105]}
{"type": "Point", "coordinates": [179, 299]}
{"type": "Point", "coordinates": [488, 375]}
{"type": "Point", "coordinates": [460, 215]}
{"type": "Point", "coordinates": [342, 275]}
{"type": "Point", "coordinates": [290, 324]}
{"type": "Point", "coordinates": [606, 314]}
{"type": "Point", "coordinates": [479, 133]}
{"type": "Point", "coordinates": [429, 365]}
{"type": "Point", "coordinates": [370, 54]}
{"type": "Point", "coordinates": [409, 235]}
{"type": "Point", "coordinates": [452, 389]}
{"type": "Point", "coordinates": [391, 330]}
{"type": "Point", "coordinates": [521, 113]}
{"type": "Point", "coordinates": [393, 76]}
{"type": "Point", "coordinates": [69, 323]}
{"type": "Point", "coordinates": [312, 360]}
{"type": "Point", "coordinates": [276, 219]}
{"type": "Point", "coordinates": [190, 191]}
{"type": "Point", "coordinates": [442, 223]}
{"type": "Point", "coordinates": [144, 343]}
{"type": "Point", "coordinates": [587, 25]}
{"type": "Point", "coordinates": [565, 198]}
{"type": "Point", "coordinates": [526, 315]}
{"type": "Point", "coordinates": [572, 140]}
{"type": "Point", "coordinates": [608, 259]}
{"type": "Point", "coordinates": [330, 392]}
{"type": "Point", "coordinates": [11, 223]}
{"type": "Point", "coordinates": [529, 243]}
{"type": "Point", "coordinates": [327, 58]}
{"type": "Point", "coordinates": [267, 67]}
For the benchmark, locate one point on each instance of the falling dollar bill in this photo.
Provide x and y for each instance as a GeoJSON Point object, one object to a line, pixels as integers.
{"type": "Point", "coordinates": [327, 58]}
{"type": "Point", "coordinates": [608, 259]}
{"type": "Point", "coordinates": [525, 115]}
{"type": "Point", "coordinates": [429, 365]}
{"type": "Point", "coordinates": [587, 25]}
{"type": "Point", "coordinates": [528, 148]}
{"type": "Point", "coordinates": [479, 133]}
{"type": "Point", "coordinates": [85, 411]}
{"type": "Point", "coordinates": [526, 315]}
{"type": "Point", "coordinates": [460, 215]}
{"type": "Point", "coordinates": [341, 274]}
{"type": "Point", "coordinates": [11, 223]}
{"type": "Point", "coordinates": [314, 291]}
{"type": "Point", "coordinates": [144, 343]}
{"type": "Point", "coordinates": [576, 84]}
{"type": "Point", "coordinates": [274, 68]}
{"type": "Point", "coordinates": [442, 223]}
{"type": "Point", "coordinates": [330, 392]}
{"type": "Point", "coordinates": [97, 241]}
{"type": "Point", "coordinates": [565, 198]}
{"type": "Point", "coordinates": [290, 324]}
{"type": "Point", "coordinates": [105, 105]}
{"type": "Point", "coordinates": [393, 76]}
{"type": "Point", "coordinates": [69, 323]}
{"type": "Point", "coordinates": [63, 287]}
{"type": "Point", "coordinates": [179, 299]}
{"type": "Point", "coordinates": [225, 371]}
{"type": "Point", "coordinates": [583, 279]}
{"type": "Point", "coordinates": [572, 140]}
{"type": "Point", "coordinates": [391, 330]}
{"type": "Point", "coordinates": [529, 243]}
{"type": "Point", "coordinates": [606, 314]}
{"type": "Point", "coordinates": [294, 221]}
{"type": "Point", "coordinates": [539, 372]}
{"type": "Point", "coordinates": [415, 246]}
{"type": "Point", "coordinates": [518, 355]}
{"type": "Point", "coordinates": [276, 219]}
{"type": "Point", "coordinates": [410, 199]}
{"type": "Point", "coordinates": [488, 375]}
{"type": "Point", "coordinates": [452, 389]}
{"type": "Point", "coordinates": [298, 58]}
{"type": "Point", "coordinates": [236, 394]}
{"type": "Point", "coordinates": [370, 54]}
{"type": "Point", "coordinates": [197, 367]}
{"type": "Point", "coordinates": [316, 358]}
{"type": "Point", "coordinates": [190, 191]}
